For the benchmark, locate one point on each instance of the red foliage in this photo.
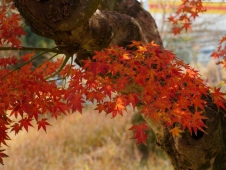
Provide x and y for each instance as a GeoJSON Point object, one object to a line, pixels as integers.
{"type": "Point", "coordinates": [185, 14]}
{"type": "Point", "coordinates": [152, 78]}
{"type": "Point", "coordinates": [220, 53]}
{"type": "Point", "coordinates": [163, 87]}
{"type": "Point", "coordinates": [42, 124]}
{"type": "Point", "coordinates": [139, 133]}
{"type": "Point", "coordinates": [10, 29]}
{"type": "Point", "coordinates": [219, 98]}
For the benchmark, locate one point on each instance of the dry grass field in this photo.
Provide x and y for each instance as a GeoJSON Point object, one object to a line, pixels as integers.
{"type": "Point", "coordinates": [90, 141]}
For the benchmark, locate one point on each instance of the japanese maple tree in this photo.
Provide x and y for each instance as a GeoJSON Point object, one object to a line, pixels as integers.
{"type": "Point", "coordinates": [139, 73]}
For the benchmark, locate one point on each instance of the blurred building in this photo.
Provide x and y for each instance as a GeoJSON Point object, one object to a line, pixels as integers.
{"type": "Point", "coordinates": [196, 45]}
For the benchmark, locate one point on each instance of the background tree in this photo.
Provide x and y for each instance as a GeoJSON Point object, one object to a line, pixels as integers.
{"type": "Point", "coordinates": [142, 74]}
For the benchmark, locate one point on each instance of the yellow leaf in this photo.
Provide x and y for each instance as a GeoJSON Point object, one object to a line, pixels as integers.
{"type": "Point", "coordinates": [176, 131]}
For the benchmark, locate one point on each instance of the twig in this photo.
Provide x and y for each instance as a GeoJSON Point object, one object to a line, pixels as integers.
{"type": "Point", "coordinates": [53, 50]}
{"type": "Point", "coordinates": [17, 68]}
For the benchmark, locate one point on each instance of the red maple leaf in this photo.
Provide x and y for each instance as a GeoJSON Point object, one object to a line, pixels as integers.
{"type": "Point", "coordinates": [140, 133]}
{"type": "Point", "coordinates": [198, 103]}
{"type": "Point", "coordinates": [2, 155]}
{"type": "Point", "coordinates": [26, 122]}
{"type": "Point", "coordinates": [172, 19]}
{"type": "Point", "coordinates": [75, 102]}
{"type": "Point", "coordinates": [176, 30]}
{"type": "Point", "coordinates": [133, 99]}
{"type": "Point", "coordinates": [100, 107]}
{"type": "Point", "coordinates": [197, 122]}
{"type": "Point", "coordinates": [187, 26]}
{"type": "Point", "coordinates": [16, 128]}
{"type": "Point", "coordinates": [218, 98]}
{"type": "Point", "coordinates": [27, 56]}
{"type": "Point", "coordinates": [194, 14]}
{"type": "Point", "coordinates": [42, 124]}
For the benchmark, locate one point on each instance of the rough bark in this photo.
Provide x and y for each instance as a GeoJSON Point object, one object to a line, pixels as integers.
{"type": "Point", "coordinates": [78, 25]}
{"type": "Point", "coordinates": [196, 152]}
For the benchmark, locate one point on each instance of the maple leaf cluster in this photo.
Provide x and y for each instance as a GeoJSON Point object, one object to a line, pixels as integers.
{"type": "Point", "coordinates": [150, 78]}
{"type": "Point", "coordinates": [163, 87]}
{"type": "Point", "coordinates": [26, 97]}
{"type": "Point", "coordinates": [10, 29]}
{"type": "Point", "coordinates": [185, 13]}
{"type": "Point", "coordinates": [220, 53]}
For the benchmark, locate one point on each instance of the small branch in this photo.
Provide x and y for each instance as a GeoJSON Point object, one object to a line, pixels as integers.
{"type": "Point", "coordinates": [17, 68]}
{"type": "Point", "coordinates": [29, 49]}
{"type": "Point", "coordinates": [61, 67]}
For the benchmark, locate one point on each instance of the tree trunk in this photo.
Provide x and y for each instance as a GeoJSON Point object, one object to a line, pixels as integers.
{"type": "Point", "coordinates": [196, 152]}
{"type": "Point", "coordinates": [78, 25]}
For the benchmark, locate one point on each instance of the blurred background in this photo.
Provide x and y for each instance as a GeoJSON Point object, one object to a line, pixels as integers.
{"type": "Point", "coordinates": [195, 46]}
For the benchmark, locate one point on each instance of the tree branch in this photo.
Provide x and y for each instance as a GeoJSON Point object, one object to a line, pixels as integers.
{"type": "Point", "coordinates": [29, 49]}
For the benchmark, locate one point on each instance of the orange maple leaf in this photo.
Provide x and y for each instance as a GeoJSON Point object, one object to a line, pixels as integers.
{"type": "Point", "coordinates": [176, 131]}
{"type": "Point", "coordinates": [120, 105]}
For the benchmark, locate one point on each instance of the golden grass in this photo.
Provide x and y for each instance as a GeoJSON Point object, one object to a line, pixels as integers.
{"type": "Point", "coordinates": [90, 141]}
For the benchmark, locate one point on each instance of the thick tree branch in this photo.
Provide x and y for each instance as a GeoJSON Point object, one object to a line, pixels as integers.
{"type": "Point", "coordinates": [134, 9]}
{"type": "Point", "coordinates": [77, 25]}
